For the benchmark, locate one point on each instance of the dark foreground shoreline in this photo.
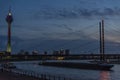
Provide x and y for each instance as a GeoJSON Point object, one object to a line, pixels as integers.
{"type": "Point", "coordinates": [4, 75]}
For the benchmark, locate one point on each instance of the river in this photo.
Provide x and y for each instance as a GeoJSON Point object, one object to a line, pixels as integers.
{"type": "Point", "coordinates": [77, 74]}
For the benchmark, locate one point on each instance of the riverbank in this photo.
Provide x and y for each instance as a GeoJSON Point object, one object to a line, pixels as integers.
{"type": "Point", "coordinates": [4, 75]}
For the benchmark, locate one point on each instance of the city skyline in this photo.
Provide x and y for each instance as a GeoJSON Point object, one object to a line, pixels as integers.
{"type": "Point", "coordinates": [65, 23]}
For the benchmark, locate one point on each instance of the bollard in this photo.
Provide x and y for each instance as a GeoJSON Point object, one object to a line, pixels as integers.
{"type": "Point", "coordinates": [42, 76]}
{"type": "Point", "coordinates": [49, 77]}
{"type": "Point", "coordinates": [58, 77]}
{"type": "Point", "coordinates": [64, 78]}
{"type": "Point", "coordinates": [70, 79]}
{"type": "Point", "coordinates": [53, 77]}
{"type": "Point", "coordinates": [2, 70]}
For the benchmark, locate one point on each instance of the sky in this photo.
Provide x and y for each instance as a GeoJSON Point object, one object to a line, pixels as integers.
{"type": "Point", "coordinates": [47, 25]}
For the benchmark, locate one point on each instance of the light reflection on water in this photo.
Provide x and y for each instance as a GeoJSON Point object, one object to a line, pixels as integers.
{"type": "Point", "coordinates": [105, 75]}
{"type": "Point", "coordinates": [77, 74]}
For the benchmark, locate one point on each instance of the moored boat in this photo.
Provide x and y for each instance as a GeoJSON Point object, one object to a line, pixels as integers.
{"type": "Point", "coordinates": [95, 66]}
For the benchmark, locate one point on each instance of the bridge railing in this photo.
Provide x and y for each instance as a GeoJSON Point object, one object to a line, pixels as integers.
{"type": "Point", "coordinates": [41, 76]}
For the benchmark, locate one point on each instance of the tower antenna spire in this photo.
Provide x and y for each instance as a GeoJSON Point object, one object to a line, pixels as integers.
{"type": "Point", "coordinates": [9, 13]}
{"type": "Point", "coordinates": [9, 8]}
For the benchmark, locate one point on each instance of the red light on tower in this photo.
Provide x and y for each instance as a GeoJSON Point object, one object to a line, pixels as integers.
{"type": "Point", "coordinates": [9, 20]}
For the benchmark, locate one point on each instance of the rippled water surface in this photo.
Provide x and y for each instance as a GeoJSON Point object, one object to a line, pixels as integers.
{"type": "Point", "coordinates": [78, 74]}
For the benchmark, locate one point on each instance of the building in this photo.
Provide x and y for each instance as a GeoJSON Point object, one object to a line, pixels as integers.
{"type": "Point", "coordinates": [9, 20]}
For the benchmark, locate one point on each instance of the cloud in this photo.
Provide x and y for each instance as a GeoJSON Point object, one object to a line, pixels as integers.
{"type": "Point", "coordinates": [63, 26]}
{"type": "Point", "coordinates": [75, 13]}
{"type": "Point", "coordinates": [73, 35]}
{"type": "Point", "coordinates": [55, 13]}
{"type": "Point", "coordinates": [66, 27]}
{"type": "Point", "coordinates": [112, 38]}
